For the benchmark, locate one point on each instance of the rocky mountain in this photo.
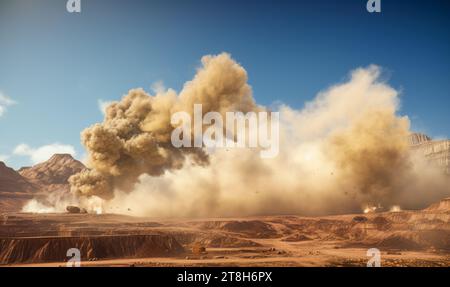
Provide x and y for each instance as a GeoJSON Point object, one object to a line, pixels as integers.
{"type": "Point", "coordinates": [12, 181]}
{"type": "Point", "coordinates": [55, 171]}
{"type": "Point", "coordinates": [14, 189]}
{"type": "Point", "coordinates": [17, 187]}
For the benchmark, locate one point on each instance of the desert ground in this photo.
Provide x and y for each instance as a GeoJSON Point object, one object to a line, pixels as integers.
{"type": "Point", "coordinates": [404, 238]}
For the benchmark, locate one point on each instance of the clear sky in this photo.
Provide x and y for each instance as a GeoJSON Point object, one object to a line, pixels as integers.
{"type": "Point", "coordinates": [56, 66]}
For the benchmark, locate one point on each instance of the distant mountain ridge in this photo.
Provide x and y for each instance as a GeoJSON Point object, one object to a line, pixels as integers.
{"type": "Point", "coordinates": [15, 190]}
{"type": "Point", "coordinates": [12, 181]}
{"type": "Point", "coordinates": [17, 187]}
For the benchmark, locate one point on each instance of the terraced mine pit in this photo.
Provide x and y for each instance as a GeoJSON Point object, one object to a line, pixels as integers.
{"type": "Point", "coordinates": [406, 238]}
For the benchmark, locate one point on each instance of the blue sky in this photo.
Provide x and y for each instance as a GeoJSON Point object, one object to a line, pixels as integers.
{"type": "Point", "coordinates": [56, 66]}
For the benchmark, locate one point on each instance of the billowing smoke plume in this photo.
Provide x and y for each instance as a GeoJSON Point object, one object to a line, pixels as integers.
{"type": "Point", "coordinates": [345, 149]}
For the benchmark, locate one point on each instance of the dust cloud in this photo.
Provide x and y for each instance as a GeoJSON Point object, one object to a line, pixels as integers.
{"type": "Point", "coordinates": [345, 149]}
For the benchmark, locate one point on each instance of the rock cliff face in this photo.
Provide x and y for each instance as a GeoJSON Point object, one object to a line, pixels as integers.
{"type": "Point", "coordinates": [22, 250]}
{"type": "Point", "coordinates": [436, 152]}
{"type": "Point", "coordinates": [418, 138]}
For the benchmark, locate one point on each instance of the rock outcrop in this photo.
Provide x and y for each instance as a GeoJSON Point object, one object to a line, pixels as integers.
{"type": "Point", "coordinates": [435, 151]}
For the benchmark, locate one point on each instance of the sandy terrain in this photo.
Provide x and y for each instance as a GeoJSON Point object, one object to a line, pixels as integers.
{"type": "Point", "coordinates": [407, 238]}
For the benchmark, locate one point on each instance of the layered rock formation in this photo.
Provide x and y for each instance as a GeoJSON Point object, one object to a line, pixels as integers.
{"type": "Point", "coordinates": [22, 250]}
{"type": "Point", "coordinates": [435, 151]}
